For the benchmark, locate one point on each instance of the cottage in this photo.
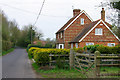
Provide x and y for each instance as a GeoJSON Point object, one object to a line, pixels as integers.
{"type": "Point", "coordinates": [81, 30]}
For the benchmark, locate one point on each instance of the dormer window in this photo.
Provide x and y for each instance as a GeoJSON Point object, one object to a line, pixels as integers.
{"type": "Point", "coordinates": [82, 21]}
{"type": "Point", "coordinates": [98, 31]}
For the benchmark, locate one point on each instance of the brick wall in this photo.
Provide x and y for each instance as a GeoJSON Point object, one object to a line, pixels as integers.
{"type": "Point", "coordinates": [107, 37]}
{"type": "Point", "coordinates": [74, 29]}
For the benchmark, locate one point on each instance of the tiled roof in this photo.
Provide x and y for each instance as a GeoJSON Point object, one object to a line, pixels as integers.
{"type": "Point", "coordinates": [84, 31]}
{"type": "Point", "coordinates": [62, 29]}
{"type": "Point", "coordinates": [87, 27]}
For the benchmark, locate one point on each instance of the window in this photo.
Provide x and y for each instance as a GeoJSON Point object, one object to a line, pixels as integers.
{"type": "Point", "coordinates": [89, 44]}
{"type": "Point", "coordinates": [61, 35]}
{"type": "Point", "coordinates": [111, 44]}
{"type": "Point", "coordinates": [76, 44]}
{"type": "Point", "coordinates": [71, 45]}
{"type": "Point", "coordinates": [82, 21]}
{"type": "Point", "coordinates": [98, 31]}
{"type": "Point", "coordinates": [61, 46]}
{"type": "Point", "coordinates": [58, 35]}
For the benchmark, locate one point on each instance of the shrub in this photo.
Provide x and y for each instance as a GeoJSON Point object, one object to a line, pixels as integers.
{"type": "Point", "coordinates": [6, 45]}
{"type": "Point", "coordinates": [31, 45]}
{"type": "Point", "coordinates": [109, 50]}
{"type": "Point", "coordinates": [41, 58]}
{"type": "Point", "coordinates": [91, 48]}
{"type": "Point", "coordinates": [31, 52]}
{"type": "Point", "coordinates": [79, 50]}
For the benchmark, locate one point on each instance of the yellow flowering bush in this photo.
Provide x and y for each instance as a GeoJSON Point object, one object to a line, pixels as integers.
{"type": "Point", "coordinates": [41, 55]}
{"type": "Point", "coordinates": [31, 51]}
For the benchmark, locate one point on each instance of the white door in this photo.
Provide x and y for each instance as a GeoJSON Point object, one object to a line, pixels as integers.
{"type": "Point", "coordinates": [61, 46]}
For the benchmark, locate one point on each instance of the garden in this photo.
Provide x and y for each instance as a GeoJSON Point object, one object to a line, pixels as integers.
{"type": "Point", "coordinates": [54, 63]}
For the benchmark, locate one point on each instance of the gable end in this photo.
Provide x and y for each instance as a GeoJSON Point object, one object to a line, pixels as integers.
{"type": "Point", "coordinates": [78, 17]}
{"type": "Point", "coordinates": [95, 26]}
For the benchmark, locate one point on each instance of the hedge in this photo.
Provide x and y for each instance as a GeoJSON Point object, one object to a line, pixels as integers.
{"type": "Point", "coordinates": [41, 56]}
{"type": "Point", "coordinates": [101, 48]}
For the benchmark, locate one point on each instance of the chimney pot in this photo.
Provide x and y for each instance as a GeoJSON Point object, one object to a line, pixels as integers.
{"type": "Point", "coordinates": [103, 14]}
{"type": "Point", "coordinates": [76, 12]}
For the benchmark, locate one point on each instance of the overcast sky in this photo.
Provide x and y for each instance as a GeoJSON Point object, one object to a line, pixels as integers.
{"type": "Point", "coordinates": [54, 15]}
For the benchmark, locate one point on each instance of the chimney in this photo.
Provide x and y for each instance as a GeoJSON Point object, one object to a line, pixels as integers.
{"type": "Point", "coordinates": [76, 12]}
{"type": "Point", "coordinates": [103, 14]}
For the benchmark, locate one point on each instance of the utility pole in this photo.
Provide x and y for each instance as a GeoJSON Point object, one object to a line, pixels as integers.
{"type": "Point", "coordinates": [31, 34]}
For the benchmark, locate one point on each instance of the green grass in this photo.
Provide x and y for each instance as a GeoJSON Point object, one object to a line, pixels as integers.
{"type": "Point", "coordinates": [66, 73]}
{"type": "Point", "coordinates": [110, 70]}
{"type": "Point", "coordinates": [6, 52]}
{"type": "Point", "coordinates": [58, 73]}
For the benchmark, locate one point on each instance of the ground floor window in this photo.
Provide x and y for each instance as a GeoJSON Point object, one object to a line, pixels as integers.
{"type": "Point", "coordinates": [71, 45]}
{"type": "Point", "coordinates": [89, 43]}
{"type": "Point", "coordinates": [111, 44]}
{"type": "Point", "coordinates": [61, 46]}
{"type": "Point", "coordinates": [76, 45]}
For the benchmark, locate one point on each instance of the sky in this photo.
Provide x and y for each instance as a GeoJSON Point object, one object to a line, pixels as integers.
{"type": "Point", "coordinates": [55, 13]}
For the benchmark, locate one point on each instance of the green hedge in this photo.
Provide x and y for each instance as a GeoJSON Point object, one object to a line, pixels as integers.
{"type": "Point", "coordinates": [101, 48]}
{"type": "Point", "coordinates": [41, 55]}
{"type": "Point", "coordinates": [109, 50]}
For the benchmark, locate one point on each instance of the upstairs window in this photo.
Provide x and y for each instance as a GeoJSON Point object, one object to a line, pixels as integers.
{"type": "Point", "coordinates": [58, 35]}
{"type": "Point", "coordinates": [61, 35]}
{"type": "Point", "coordinates": [82, 21]}
{"type": "Point", "coordinates": [98, 31]}
{"type": "Point", "coordinates": [111, 44]}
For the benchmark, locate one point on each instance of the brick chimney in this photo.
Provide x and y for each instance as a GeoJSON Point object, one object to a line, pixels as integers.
{"type": "Point", "coordinates": [103, 14]}
{"type": "Point", "coordinates": [76, 12]}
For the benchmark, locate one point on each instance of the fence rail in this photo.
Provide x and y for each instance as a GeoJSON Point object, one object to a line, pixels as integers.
{"type": "Point", "coordinates": [79, 60]}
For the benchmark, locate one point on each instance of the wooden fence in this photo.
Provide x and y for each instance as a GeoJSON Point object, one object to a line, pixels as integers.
{"type": "Point", "coordinates": [92, 61]}
{"type": "Point", "coordinates": [52, 60]}
{"type": "Point", "coordinates": [98, 58]}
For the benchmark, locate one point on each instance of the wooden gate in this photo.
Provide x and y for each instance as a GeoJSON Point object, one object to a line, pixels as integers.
{"type": "Point", "coordinates": [83, 62]}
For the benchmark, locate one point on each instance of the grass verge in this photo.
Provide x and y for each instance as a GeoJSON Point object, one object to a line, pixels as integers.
{"type": "Point", "coordinates": [6, 52]}
{"type": "Point", "coordinates": [58, 73]}
{"type": "Point", "coordinates": [67, 73]}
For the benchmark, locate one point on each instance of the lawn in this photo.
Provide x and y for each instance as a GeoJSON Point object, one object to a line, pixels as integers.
{"type": "Point", "coordinates": [6, 52]}
{"type": "Point", "coordinates": [110, 70]}
{"type": "Point", "coordinates": [58, 73]}
{"type": "Point", "coordinates": [67, 73]}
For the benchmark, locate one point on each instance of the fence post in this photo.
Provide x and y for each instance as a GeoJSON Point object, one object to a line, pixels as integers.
{"type": "Point", "coordinates": [50, 57]}
{"type": "Point", "coordinates": [97, 61]}
{"type": "Point", "coordinates": [71, 58]}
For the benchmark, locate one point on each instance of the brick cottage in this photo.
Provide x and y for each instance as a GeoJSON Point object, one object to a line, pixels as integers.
{"type": "Point", "coordinates": [81, 30]}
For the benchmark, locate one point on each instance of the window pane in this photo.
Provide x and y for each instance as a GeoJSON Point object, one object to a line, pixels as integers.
{"type": "Point", "coordinates": [82, 21]}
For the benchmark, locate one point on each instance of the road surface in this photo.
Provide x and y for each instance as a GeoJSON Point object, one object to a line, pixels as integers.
{"type": "Point", "coordinates": [17, 65]}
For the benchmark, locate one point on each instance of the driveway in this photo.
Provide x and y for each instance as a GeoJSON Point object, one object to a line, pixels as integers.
{"type": "Point", "coordinates": [17, 65]}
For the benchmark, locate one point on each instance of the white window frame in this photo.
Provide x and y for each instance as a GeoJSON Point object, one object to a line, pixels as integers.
{"type": "Point", "coordinates": [58, 35]}
{"type": "Point", "coordinates": [76, 45]}
{"type": "Point", "coordinates": [61, 35]}
{"type": "Point", "coordinates": [89, 43]}
{"type": "Point", "coordinates": [71, 45]}
{"type": "Point", "coordinates": [111, 44]}
{"type": "Point", "coordinates": [82, 21]}
{"type": "Point", "coordinates": [98, 31]}
{"type": "Point", "coordinates": [61, 45]}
